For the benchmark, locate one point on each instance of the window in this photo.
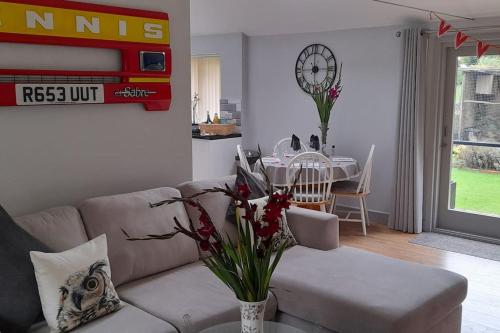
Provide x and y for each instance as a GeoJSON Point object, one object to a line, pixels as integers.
{"type": "Point", "coordinates": [206, 86]}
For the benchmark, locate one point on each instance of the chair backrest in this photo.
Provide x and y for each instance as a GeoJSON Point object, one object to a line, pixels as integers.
{"type": "Point", "coordinates": [285, 146]}
{"type": "Point", "coordinates": [366, 176]}
{"type": "Point", "coordinates": [315, 181]}
{"type": "Point", "coordinates": [243, 159]}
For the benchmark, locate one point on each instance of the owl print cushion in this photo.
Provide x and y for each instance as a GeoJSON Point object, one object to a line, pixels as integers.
{"type": "Point", "coordinates": [75, 286]}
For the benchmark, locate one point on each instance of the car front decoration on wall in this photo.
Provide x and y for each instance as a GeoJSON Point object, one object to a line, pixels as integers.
{"type": "Point", "coordinates": [141, 36]}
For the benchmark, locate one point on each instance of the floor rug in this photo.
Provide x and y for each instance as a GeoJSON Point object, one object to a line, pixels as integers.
{"type": "Point", "coordinates": [459, 245]}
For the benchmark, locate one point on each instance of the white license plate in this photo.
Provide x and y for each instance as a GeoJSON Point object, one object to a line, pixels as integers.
{"type": "Point", "coordinates": [36, 94]}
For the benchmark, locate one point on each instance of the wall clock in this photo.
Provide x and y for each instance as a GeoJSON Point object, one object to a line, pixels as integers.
{"type": "Point", "coordinates": [316, 69]}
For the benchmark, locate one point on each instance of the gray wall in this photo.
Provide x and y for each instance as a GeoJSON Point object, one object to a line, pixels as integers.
{"type": "Point", "coordinates": [366, 113]}
{"type": "Point", "coordinates": [57, 155]}
{"type": "Point", "coordinates": [230, 49]}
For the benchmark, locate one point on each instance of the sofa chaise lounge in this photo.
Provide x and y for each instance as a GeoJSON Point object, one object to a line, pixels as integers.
{"type": "Point", "coordinates": [166, 288]}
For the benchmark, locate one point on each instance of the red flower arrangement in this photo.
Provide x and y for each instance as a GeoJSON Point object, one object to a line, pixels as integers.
{"type": "Point", "coordinates": [325, 100]}
{"type": "Point", "coordinates": [245, 267]}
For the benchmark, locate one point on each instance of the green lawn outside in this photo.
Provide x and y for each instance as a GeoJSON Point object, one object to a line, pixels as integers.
{"type": "Point", "coordinates": [477, 191]}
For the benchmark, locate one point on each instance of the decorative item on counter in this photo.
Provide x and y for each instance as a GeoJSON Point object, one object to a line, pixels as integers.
{"type": "Point", "coordinates": [208, 121]}
{"type": "Point", "coordinates": [295, 144]}
{"type": "Point", "coordinates": [245, 267]}
{"type": "Point", "coordinates": [194, 105]}
{"type": "Point", "coordinates": [216, 119]}
{"type": "Point", "coordinates": [314, 142]}
{"type": "Point", "coordinates": [333, 150]}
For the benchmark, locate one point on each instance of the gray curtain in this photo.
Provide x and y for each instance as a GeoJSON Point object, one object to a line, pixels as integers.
{"type": "Point", "coordinates": [407, 214]}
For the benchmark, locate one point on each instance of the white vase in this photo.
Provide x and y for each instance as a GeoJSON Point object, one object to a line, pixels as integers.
{"type": "Point", "coordinates": [252, 316]}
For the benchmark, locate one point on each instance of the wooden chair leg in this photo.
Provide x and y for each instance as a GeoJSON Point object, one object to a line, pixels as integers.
{"type": "Point", "coordinates": [367, 214]}
{"type": "Point", "coordinates": [333, 204]}
{"type": "Point", "coordinates": [322, 207]}
{"type": "Point", "coordinates": [363, 218]}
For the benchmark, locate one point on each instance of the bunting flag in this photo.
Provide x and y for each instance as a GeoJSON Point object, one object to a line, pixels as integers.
{"type": "Point", "coordinates": [443, 28]}
{"type": "Point", "coordinates": [461, 38]}
{"type": "Point", "coordinates": [481, 48]}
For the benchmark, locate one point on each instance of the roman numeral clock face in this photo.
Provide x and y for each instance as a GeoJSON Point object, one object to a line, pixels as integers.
{"type": "Point", "coordinates": [316, 69]}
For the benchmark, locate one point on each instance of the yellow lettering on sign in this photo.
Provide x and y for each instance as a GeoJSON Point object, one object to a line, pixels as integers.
{"type": "Point", "coordinates": [60, 22]}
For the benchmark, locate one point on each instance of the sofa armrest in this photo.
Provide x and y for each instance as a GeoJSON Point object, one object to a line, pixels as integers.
{"type": "Point", "coordinates": [314, 229]}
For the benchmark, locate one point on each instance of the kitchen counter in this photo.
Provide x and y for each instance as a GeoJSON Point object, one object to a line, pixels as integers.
{"type": "Point", "coordinates": [213, 155]}
{"type": "Point", "coordinates": [216, 137]}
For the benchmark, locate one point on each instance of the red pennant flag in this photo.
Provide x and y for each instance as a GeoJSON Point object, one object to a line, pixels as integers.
{"type": "Point", "coordinates": [481, 49]}
{"type": "Point", "coordinates": [460, 38]}
{"type": "Point", "coordinates": [443, 28]}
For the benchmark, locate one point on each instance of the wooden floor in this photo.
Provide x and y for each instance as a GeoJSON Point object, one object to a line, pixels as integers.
{"type": "Point", "coordinates": [481, 309]}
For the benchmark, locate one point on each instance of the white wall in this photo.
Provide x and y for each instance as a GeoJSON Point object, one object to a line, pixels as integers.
{"type": "Point", "coordinates": [366, 113]}
{"type": "Point", "coordinates": [230, 49]}
{"type": "Point", "coordinates": [57, 155]}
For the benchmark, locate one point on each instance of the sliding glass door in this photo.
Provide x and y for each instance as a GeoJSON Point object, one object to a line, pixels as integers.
{"type": "Point", "coordinates": [469, 198]}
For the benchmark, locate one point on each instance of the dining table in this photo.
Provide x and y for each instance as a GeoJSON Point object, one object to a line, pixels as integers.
{"type": "Point", "coordinates": [344, 168]}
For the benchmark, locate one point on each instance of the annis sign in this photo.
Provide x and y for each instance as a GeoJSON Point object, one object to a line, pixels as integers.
{"type": "Point", "coordinates": [141, 36]}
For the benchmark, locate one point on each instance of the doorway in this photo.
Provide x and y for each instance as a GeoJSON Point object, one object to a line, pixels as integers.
{"type": "Point", "coordinates": [469, 198]}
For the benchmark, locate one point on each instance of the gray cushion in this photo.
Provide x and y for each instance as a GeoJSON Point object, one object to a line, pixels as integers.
{"type": "Point", "coordinates": [216, 204]}
{"type": "Point", "coordinates": [189, 297]}
{"type": "Point", "coordinates": [313, 228]}
{"type": "Point", "coordinates": [128, 320]}
{"type": "Point", "coordinates": [349, 290]}
{"type": "Point", "coordinates": [19, 301]}
{"type": "Point", "coordinates": [59, 228]}
{"type": "Point", "coordinates": [131, 212]}
{"type": "Point", "coordinates": [256, 186]}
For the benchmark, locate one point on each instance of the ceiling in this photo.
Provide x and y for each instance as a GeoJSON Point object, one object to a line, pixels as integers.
{"type": "Point", "coordinates": [269, 17]}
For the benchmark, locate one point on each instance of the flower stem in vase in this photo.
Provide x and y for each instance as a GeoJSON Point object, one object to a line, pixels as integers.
{"type": "Point", "coordinates": [324, 132]}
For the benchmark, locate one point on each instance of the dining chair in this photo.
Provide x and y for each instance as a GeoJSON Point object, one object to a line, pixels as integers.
{"type": "Point", "coordinates": [356, 189]}
{"type": "Point", "coordinates": [285, 146]}
{"type": "Point", "coordinates": [243, 159]}
{"type": "Point", "coordinates": [313, 187]}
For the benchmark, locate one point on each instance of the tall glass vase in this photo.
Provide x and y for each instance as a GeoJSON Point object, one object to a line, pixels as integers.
{"type": "Point", "coordinates": [324, 132]}
{"type": "Point", "coordinates": [252, 316]}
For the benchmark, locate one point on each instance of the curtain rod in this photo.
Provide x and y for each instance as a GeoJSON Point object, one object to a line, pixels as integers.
{"type": "Point", "coordinates": [423, 10]}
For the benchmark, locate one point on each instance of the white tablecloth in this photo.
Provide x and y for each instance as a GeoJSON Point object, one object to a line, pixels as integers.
{"type": "Point", "coordinates": [344, 168]}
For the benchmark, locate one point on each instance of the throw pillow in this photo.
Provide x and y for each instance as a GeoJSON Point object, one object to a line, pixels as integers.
{"type": "Point", "coordinates": [19, 301]}
{"type": "Point", "coordinates": [284, 235]}
{"type": "Point", "coordinates": [75, 286]}
{"type": "Point", "coordinates": [256, 186]}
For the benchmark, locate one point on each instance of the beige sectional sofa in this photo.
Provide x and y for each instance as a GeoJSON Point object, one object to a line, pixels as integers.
{"type": "Point", "coordinates": [166, 288]}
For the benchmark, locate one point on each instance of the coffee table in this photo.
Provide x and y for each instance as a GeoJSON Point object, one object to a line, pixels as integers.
{"type": "Point", "coordinates": [269, 327]}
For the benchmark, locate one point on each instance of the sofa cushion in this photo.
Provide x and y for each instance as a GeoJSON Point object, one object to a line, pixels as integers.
{"type": "Point", "coordinates": [349, 290]}
{"type": "Point", "coordinates": [75, 285]}
{"type": "Point", "coordinates": [216, 204]}
{"type": "Point", "coordinates": [256, 186]}
{"type": "Point", "coordinates": [19, 300]}
{"type": "Point", "coordinates": [59, 228]}
{"type": "Point", "coordinates": [189, 297]}
{"type": "Point", "coordinates": [128, 320]}
{"type": "Point", "coordinates": [132, 213]}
